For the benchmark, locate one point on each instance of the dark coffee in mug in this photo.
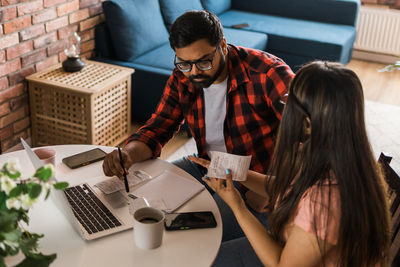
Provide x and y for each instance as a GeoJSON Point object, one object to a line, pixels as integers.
{"type": "Point", "coordinates": [149, 220]}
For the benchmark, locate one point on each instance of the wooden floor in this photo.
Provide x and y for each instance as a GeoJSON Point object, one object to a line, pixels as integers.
{"type": "Point", "coordinates": [382, 87]}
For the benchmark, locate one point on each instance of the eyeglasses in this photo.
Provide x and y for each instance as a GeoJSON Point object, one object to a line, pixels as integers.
{"type": "Point", "coordinates": [201, 64]}
{"type": "Point", "coordinates": [284, 100]}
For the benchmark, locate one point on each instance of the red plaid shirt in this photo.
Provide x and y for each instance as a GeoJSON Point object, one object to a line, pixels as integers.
{"type": "Point", "coordinates": [256, 82]}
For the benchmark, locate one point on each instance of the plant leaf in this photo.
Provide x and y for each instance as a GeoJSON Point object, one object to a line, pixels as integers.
{"type": "Point", "coordinates": [34, 190]}
{"type": "Point", "coordinates": [61, 185]}
{"type": "Point", "coordinates": [16, 191]}
{"type": "Point", "coordinates": [47, 194]}
{"type": "Point", "coordinates": [43, 174]}
{"type": "Point", "coordinates": [37, 260]}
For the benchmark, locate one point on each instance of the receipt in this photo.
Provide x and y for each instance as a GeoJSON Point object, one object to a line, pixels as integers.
{"type": "Point", "coordinates": [239, 165]}
{"type": "Point", "coordinates": [114, 184]}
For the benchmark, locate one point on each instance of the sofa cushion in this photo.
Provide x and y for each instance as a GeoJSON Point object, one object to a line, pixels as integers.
{"type": "Point", "coordinates": [294, 36]}
{"type": "Point", "coordinates": [216, 6]}
{"type": "Point", "coordinates": [172, 9]}
{"type": "Point", "coordinates": [160, 57]}
{"type": "Point", "coordinates": [136, 26]}
{"type": "Point", "coordinates": [244, 38]}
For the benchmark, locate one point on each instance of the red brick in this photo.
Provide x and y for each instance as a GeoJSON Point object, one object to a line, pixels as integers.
{"type": "Point", "coordinates": [12, 117]}
{"type": "Point", "coordinates": [87, 46]}
{"type": "Point", "coordinates": [21, 125]}
{"type": "Point", "coordinates": [62, 57]}
{"type": "Point", "coordinates": [90, 23]}
{"type": "Point", "coordinates": [32, 32]}
{"type": "Point", "coordinates": [48, 62]}
{"type": "Point", "coordinates": [79, 15]}
{"type": "Point", "coordinates": [9, 67]}
{"type": "Point", "coordinates": [48, 3]}
{"type": "Point", "coordinates": [95, 10]}
{"type": "Point", "coordinates": [19, 102]}
{"type": "Point", "coordinates": [56, 24]}
{"type": "Point", "coordinates": [34, 57]}
{"type": "Point", "coordinates": [46, 15]}
{"type": "Point", "coordinates": [8, 14]}
{"type": "Point", "coordinates": [57, 47]}
{"type": "Point", "coordinates": [89, 54]}
{"type": "Point", "coordinates": [29, 7]}
{"type": "Point", "coordinates": [3, 83]}
{"type": "Point", "coordinates": [11, 92]}
{"type": "Point", "coordinates": [19, 50]}
{"type": "Point", "coordinates": [9, 2]}
{"type": "Point", "coordinates": [4, 109]}
{"type": "Point", "coordinates": [45, 40]}
{"type": "Point", "coordinates": [6, 133]}
{"type": "Point", "coordinates": [67, 31]}
{"type": "Point", "coordinates": [67, 8]}
{"type": "Point", "coordinates": [14, 140]}
{"type": "Point", "coordinates": [17, 24]}
{"type": "Point", "coordinates": [2, 56]}
{"type": "Point", "coordinates": [87, 3]}
{"type": "Point", "coordinates": [9, 40]}
{"type": "Point", "coordinates": [87, 35]}
{"type": "Point", "coordinates": [19, 76]}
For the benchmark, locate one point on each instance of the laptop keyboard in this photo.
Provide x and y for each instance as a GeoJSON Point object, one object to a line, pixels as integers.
{"type": "Point", "coordinates": [89, 210]}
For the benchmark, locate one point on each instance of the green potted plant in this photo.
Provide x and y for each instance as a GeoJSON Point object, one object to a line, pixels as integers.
{"type": "Point", "coordinates": [17, 195]}
{"type": "Point", "coordinates": [392, 67]}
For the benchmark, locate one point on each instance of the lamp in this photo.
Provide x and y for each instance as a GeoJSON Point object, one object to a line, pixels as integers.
{"type": "Point", "coordinates": [73, 62]}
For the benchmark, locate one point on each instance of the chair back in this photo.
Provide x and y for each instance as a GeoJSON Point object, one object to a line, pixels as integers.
{"type": "Point", "coordinates": [393, 181]}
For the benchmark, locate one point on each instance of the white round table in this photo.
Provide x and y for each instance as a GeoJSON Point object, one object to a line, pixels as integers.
{"type": "Point", "coordinates": [197, 247]}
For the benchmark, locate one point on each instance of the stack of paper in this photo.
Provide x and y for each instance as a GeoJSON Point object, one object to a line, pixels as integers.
{"type": "Point", "coordinates": [168, 191]}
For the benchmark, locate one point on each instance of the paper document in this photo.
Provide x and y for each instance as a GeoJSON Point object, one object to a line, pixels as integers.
{"type": "Point", "coordinates": [114, 184]}
{"type": "Point", "coordinates": [168, 191]}
{"type": "Point", "coordinates": [239, 165]}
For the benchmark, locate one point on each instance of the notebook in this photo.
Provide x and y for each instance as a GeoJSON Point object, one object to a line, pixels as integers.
{"type": "Point", "coordinates": [90, 212]}
{"type": "Point", "coordinates": [168, 191]}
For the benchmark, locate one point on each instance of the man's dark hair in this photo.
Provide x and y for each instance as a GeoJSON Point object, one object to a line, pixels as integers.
{"type": "Point", "coordinates": [195, 25]}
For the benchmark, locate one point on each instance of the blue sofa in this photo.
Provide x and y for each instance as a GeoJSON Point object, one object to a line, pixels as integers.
{"type": "Point", "coordinates": [135, 34]}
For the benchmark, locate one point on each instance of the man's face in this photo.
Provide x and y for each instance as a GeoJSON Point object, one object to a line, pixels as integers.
{"type": "Point", "coordinates": [201, 52]}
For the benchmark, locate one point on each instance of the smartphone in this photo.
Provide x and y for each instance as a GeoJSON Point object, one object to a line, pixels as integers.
{"type": "Point", "coordinates": [84, 158]}
{"type": "Point", "coordinates": [189, 220]}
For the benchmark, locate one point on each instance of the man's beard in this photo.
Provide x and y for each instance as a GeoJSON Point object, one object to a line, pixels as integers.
{"type": "Point", "coordinates": [208, 80]}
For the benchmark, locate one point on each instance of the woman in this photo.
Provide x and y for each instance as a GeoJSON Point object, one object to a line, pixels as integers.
{"type": "Point", "coordinates": [327, 196]}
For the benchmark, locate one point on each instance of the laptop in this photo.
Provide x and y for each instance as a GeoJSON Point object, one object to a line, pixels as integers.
{"type": "Point", "coordinates": [90, 212]}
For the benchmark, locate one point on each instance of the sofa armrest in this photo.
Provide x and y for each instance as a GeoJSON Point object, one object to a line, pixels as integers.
{"type": "Point", "coordinates": [103, 44]}
{"type": "Point", "coordinates": [330, 11]}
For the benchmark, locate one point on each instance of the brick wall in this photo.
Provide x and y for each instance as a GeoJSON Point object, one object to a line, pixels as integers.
{"type": "Point", "coordinates": [33, 35]}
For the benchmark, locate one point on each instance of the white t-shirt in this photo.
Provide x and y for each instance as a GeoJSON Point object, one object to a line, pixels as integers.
{"type": "Point", "coordinates": [215, 111]}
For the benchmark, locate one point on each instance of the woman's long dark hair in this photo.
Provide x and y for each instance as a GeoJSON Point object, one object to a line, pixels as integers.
{"type": "Point", "coordinates": [337, 149]}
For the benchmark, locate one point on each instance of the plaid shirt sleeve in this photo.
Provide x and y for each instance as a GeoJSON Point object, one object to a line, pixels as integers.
{"type": "Point", "coordinates": [164, 122]}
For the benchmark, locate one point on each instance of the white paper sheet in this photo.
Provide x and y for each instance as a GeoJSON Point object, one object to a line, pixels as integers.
{"type": "Point", "coordinates": [238, 165]}
{"type": "Point", "coordinates": [114, 184]}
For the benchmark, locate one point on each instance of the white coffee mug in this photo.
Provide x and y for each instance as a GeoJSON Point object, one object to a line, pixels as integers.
{"type": "Point", "coordinates": [148, 227]}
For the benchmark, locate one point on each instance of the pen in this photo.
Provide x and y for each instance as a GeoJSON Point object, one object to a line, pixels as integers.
{"type": "Point", "coordinates": [123, 167]}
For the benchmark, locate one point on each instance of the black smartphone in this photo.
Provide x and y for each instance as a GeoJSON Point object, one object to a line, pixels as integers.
{"type": "Point", "coordinates": [84, 158]}
{"type": "Point", "coordinates": [189, 220]}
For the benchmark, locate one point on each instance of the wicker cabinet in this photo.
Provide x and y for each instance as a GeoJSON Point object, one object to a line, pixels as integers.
{"type": "Point", "coordinates": [92, 106]}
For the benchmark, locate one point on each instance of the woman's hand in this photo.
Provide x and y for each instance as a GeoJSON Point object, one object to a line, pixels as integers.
{"type": "Point", "coordinates": [227, 191]}
{"type": "Point", "coordinates": [202, 162]}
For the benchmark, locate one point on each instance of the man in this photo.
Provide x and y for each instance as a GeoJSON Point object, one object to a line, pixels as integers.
{"type": "Point", "coordinates": [229, 96]}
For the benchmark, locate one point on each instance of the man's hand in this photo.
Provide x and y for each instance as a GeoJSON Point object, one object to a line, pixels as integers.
{"type": "Point", "coordinates": [133, 152]}
{"type": "Point", "coordinates": [112, 165]}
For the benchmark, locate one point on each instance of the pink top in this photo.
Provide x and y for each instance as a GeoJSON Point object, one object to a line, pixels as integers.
{"type": "Point", "coordinates": [313, 207]}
